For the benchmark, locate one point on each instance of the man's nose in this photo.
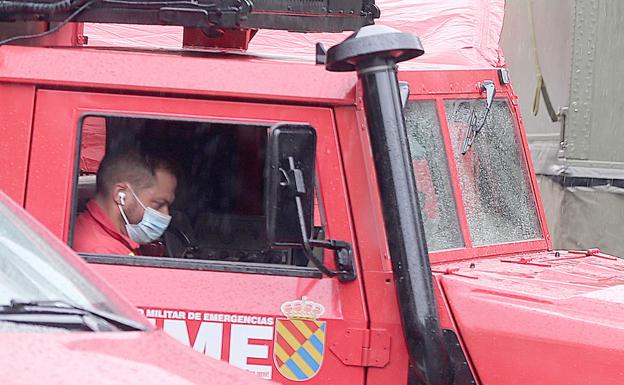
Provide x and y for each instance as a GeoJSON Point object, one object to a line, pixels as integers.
{"type": "Point", "coordinates": [164, 209]}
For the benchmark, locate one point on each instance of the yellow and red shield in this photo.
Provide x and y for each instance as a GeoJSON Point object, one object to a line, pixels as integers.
{"type": "Point", "coordinates": [298, 348]}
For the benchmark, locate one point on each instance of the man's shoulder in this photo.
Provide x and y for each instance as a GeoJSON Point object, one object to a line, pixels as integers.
{"type": "Point", "coordinates": [86, 224]}
{"type": "Point", "coordinates": [89, 239]}
{"type": "Point", "coordinates": [90, 236]}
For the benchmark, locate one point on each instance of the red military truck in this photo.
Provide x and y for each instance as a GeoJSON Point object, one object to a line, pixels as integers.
{"type": "Point", "coordinates": [301, 248]}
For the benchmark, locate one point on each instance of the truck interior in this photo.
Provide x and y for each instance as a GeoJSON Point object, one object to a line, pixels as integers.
{"type": "Point", "coordinates": [218, 213]}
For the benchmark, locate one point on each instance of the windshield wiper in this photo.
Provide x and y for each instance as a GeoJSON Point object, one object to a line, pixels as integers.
{"type": "Point", "coordinates": [473, 125]}
{"type": "Point", "coordinates": [63, 314]}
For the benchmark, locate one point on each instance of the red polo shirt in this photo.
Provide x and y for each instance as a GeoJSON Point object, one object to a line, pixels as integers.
{"type": "Point", "coordinates": [95, 233]}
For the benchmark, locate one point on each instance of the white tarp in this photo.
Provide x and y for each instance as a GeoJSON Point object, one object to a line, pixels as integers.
{"type": "Point", "coordinates": [454, 33]}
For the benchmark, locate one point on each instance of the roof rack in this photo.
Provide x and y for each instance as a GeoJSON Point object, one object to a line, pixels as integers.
{"type": "Point", "coordinates": [292, 15]}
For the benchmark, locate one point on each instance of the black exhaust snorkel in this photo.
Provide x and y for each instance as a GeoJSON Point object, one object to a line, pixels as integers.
{"type": "Point", "coordinates": [373, 52]}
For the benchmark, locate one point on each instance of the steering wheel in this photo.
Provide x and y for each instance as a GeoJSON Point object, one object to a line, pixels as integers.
{"type": "Point", "coordinates": [179, 244]}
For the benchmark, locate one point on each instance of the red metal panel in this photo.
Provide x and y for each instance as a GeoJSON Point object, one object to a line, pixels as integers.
{"type": "Point", "coordinates": [192, 291]}
{"type": "Point", "coordinates": [554, 321]}
{"type": "Point", "coordinates": [362, 186]}
{"type": "Point", "coordinates": [230, 39]}
{"type": "Point", "coordinates": [70, 35]}
{"type": "Point", "coordinates": [209, 290]}
{"type": "Point", "coordinates": [511, 248]}
{"type": "Point", "coordinates": [16, 114]}
{"type": "Point", "coordinates": [200, 74]}
{"type": "Point", "coordinates": [110, 358]}
{"type": "Point", "coordinates": [435, 83]}
{"type": "Point", "coordinates": [376, 267]}
{"type": "Point", "coordinates": [448, 322]}
{"type": "Point", "coordinates": [501, 249]}
{"type": "Point", "coordinates": [363, 347]}
{"type": "Point", "coordinates": [52, 163]}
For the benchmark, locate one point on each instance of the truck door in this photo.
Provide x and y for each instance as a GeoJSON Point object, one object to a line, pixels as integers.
{"type": "Point", "coordinates": [227, 298]}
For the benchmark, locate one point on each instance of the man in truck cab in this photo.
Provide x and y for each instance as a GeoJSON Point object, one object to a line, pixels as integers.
{"type": "Point", "coordinates": [134, 192]}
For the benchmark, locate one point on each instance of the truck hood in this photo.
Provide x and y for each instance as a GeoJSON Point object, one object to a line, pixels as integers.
{"type": "Point", "coordinates": [109, 358]}
{"type": "Point", "coordinates": [552, 317]}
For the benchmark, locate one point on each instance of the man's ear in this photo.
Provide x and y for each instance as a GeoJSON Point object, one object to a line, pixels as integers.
{"type": "Point", "coordinates": [119, 194]}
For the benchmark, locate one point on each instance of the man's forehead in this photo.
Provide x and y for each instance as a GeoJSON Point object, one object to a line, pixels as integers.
{"type": "Point", "coordinates": [164, 185]}
{"type": "Point", "coordinates": [164, 177]}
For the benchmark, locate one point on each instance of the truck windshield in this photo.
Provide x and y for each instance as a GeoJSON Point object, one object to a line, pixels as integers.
{"type": "Point", "coordinates": [435, 194]}
{"type": "Point", "coordinates": [32, 270]}
{"type": "Point", "coordinates": [493, 175]}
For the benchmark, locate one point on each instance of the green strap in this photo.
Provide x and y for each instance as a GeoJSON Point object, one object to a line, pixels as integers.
{"type": "Point", "coordinates": [540, 87]}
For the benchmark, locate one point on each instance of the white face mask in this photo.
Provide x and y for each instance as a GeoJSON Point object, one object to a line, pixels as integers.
{"type": "Point", "coordinates": [152, 225]}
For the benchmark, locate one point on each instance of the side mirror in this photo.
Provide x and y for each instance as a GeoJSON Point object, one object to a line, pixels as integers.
{"type": "Point", "coordinates": [289, 173]}
{"type": "Point", "coordinates": [289, 198]}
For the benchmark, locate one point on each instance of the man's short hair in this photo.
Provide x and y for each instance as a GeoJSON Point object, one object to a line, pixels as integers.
{"type": "Point", "coordinates": [136, 168]}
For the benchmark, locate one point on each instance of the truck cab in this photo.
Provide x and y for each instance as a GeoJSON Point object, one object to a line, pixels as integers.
{"type": "Point", "coordinates": [465, 289]}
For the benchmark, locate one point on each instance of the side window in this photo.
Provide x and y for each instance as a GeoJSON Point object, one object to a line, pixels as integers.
{"type": "Point", "coordinates": [435, 193]}
{"type": "Point", "coordinates": [218, 210]}
{"type": "Point", "coordinates": [492, 174]}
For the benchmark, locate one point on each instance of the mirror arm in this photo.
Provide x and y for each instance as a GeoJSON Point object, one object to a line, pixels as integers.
{"type": "Point", "coordinates": [307, 245]}
{"type": "Point", "coordinates": [343, 250]}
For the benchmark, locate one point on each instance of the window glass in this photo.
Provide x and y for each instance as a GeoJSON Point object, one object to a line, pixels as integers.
{"type": "Point", "coordinates": [492, 174]}
{"type": "Point", "coordinates": [33, 270]}
{"type": "Point", "coordinates": [435, 193]}
{"type": "Point", "coordinates": [218, 211]}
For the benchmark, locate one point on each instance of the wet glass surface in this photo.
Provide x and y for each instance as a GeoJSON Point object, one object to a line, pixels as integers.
{"type": "Point", "coordinates": [218, 212]}
{"type": "Point", "coordinates": [435, 193]}
{"type": "Point", "coordinates": [492, 174]}
{"type": "Point", "coordinates": [32, 270]}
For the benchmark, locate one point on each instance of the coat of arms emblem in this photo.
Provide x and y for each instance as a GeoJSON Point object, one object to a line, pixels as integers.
{"type": "Point", "coordinates": [299, 342]}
